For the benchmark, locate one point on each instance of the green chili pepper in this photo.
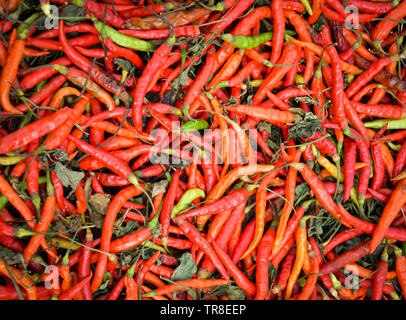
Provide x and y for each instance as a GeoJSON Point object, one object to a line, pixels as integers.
{"type": "Point", "coordinates": [188, 197]}
{"type": "Point", "coordinates": [392, 124]}
{"type": "Point", "coordinates": [393, 146]}
{"type": "Point", "coordinates": [299, 80]}
{"type": "Point", "coordinates": [247, 42]}
{"type": "Point", "coordinates": [11, 160]}
{"type": "Point", "coordinates": [122, 39]}
{"type": "Point", "coordinates": [154, 246]}
{"type": "Point", "coordinates": [250, 42]}
{"type": "Point", "coordinates": [3, 202]}
{"type": "Point", "coordinates": [307, 6]}
{"type": "Point", "coordinates": [194, 125]}
{"type": "Point", "coordinates": [256, 83]}
{"type": "Point", "coordinates": [357, 43]}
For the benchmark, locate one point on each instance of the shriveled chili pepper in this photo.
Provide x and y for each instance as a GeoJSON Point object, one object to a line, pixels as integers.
{"type": "Point", "coordinates": [181, 31]}
{"type": "Point", "coordinates": [97, 73]}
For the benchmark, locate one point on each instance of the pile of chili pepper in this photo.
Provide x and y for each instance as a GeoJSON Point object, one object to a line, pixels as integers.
{"type": "Point", "coordinates": [202, 150]}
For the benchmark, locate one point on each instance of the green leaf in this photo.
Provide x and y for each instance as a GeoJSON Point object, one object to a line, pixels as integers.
{"type": "Point", "coordinates": [69, 178]}
{"type": "Point", "coordinates": [301, 192]}
{"type": "Point", "coordinates": [130, 226]}
{"type": "Point", "coordinates": [186, 269]}
{"type": "Point", "coordinates": [106, 278]}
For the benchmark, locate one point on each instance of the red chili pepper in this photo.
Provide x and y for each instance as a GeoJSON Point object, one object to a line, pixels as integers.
{"type": "Point", "coordinates": [33, 131]}
{"type": "Point", "coordinates": [320, 191]}
{"type": "Point", "coordinates": [284, 273]}
{"type": "Point", "coordinates": [105, 80]}
{"type": "Point", "coordinates": [123, 196]}
{"type": "Point", "coordinates": [395, 203]}
{"type": "Point", "coordinates": [340, 238]}
{"type": "Point", "coordinates": [9, 72]}
{"type": "Point", "coordinates": [301, 253]}
{"type": "Point", "coordinates": [400, 271]}
{"type": "Point", "coordinates": [169, 202]}
{"type": "Point", "coordinates": [115, 164]}
{"type": "Point", "coordinates": [384, 27]}
{"type": "Point", "coordinates": [346, 257]}
{"type": "Point", "coordinates": [20, 278]}
{"type": "Point", "coordinates": [181, 31]}
{"type": "Point", "coordinates": [154, 64]}
{"type": "Point", "coordinates": [266, 114]}
{"type": "Point", "coordinates": [71, 292]}
{"type": "Point", "coordinates": [367, 75]}
{"type": "Point", "coordinates": [288, 57]}
{"type": "Point", "coordinates": [379, 277]}
{"type": "Point", "coordinates": [368, 227]}
{"type": "Point", "coordinates": [84, 265]}
{"type": "Point", "coordinates": [104, 13]}
{"type": "Point", "coordinates": [311, 281]}
{"type": "Point", "coordinates": [279, 30]}
{"type": "Point", "coordinates": [228, 202]}
{"type": "Point", "coordinates": [47, 215]}
{"type": "Point", "coordinates": [400, 162]}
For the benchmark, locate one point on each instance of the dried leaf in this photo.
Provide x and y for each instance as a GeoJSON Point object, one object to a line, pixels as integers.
{"type": "Point", "coordinates": [186, 269]}
{"type": "Point", "coordinates": [69, 178]}
{"type": "Point", "coordinates": [159, 187]}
